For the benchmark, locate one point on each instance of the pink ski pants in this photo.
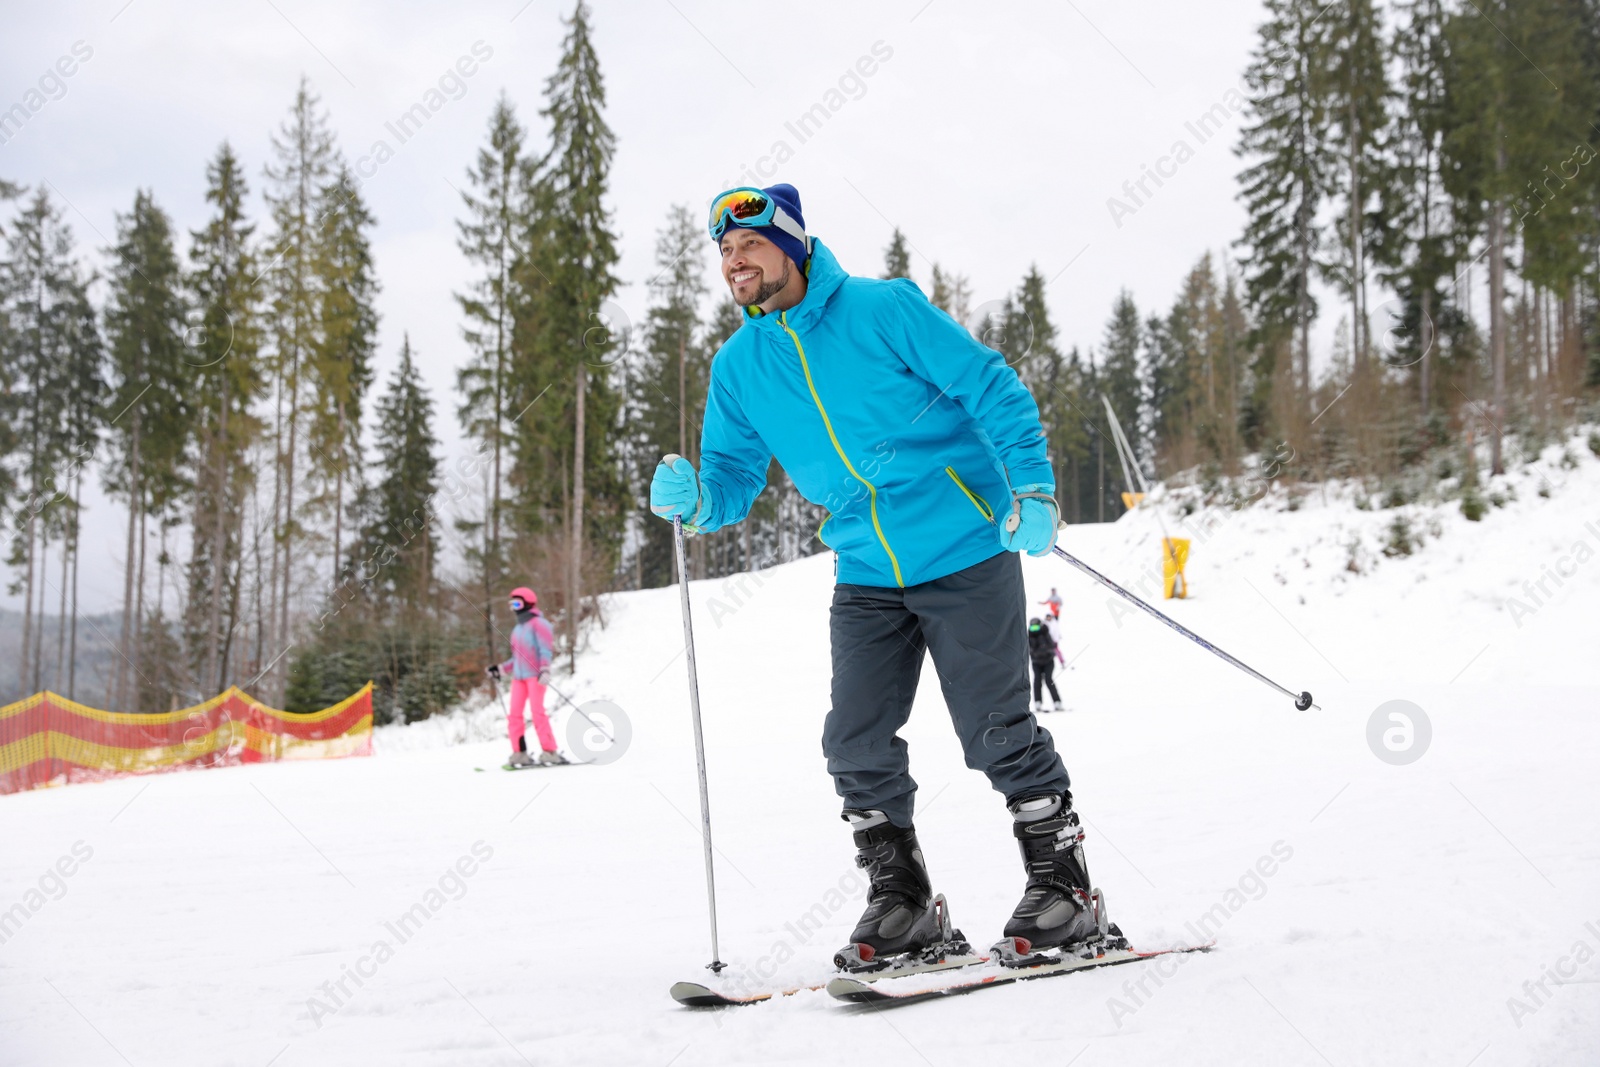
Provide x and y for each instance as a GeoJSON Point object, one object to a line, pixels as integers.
{"type": "Point", "coordinates": [529, 691]}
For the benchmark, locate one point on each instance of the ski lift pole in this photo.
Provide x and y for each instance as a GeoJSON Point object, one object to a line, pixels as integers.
{"type": "Point", "coordinates": [1302, 701]}
{"type": "Point", "coordinates": [1130, 468]}
{"type": "Point", "coordinates": [716, 965]}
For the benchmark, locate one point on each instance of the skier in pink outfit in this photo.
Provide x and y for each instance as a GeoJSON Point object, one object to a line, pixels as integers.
{"type": "Point", "coordinates": [532, 651]}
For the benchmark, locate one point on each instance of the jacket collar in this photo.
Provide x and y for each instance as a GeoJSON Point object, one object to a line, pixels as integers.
{"type": "Point", "coordinates": [823, 278]}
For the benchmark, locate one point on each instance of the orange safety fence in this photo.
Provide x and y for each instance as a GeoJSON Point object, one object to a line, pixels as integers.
{"type": "Point", "coordinates": [47, 739]}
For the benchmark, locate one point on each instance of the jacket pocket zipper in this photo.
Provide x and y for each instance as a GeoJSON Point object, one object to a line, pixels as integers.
{"type": "Point", "coordinates": [977, 501]}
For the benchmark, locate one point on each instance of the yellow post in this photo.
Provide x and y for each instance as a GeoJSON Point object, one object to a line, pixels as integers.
{"type": "Point", "coordinates": [1174, 554]}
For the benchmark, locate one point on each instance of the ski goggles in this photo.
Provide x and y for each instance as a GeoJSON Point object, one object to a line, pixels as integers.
{"type": "Point", "coordinates": [750, 207]}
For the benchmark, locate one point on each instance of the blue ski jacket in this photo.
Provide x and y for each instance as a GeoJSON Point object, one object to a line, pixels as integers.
{"type": "Point", "coordinates": [884, 411]}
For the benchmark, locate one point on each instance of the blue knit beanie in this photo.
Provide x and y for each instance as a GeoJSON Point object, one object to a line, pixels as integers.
{"type": "Point", "coordinates": [786, 197]}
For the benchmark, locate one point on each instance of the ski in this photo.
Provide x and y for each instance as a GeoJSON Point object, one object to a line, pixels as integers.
{"type": "Point", "coordinates": [946, 969]}
{"type": "Point", "coordinates": [951, 952]}
{"type": "Point", "coordinates": [536, 766]}
{"type": "Point", "coordinates": [1007, 965]}
{"type": "Point", "coordinates": [701, 995]}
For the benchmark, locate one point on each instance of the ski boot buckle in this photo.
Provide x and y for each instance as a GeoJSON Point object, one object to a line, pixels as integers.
{"type": "Point", "coordinates": [952, 942]}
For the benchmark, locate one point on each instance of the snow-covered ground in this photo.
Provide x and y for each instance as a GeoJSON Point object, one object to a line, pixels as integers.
{"type": "Point", "coordinates": [407, 909]}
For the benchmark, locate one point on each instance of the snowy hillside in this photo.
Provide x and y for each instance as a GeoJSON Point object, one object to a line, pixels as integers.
{"type": "Point", "coordinates": [407, 909]}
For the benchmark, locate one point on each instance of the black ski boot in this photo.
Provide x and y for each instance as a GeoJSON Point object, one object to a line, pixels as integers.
{"type": "Point", "coordinates": [1059, 909]}
{"type": "Point", "coordinates": [903, 916]}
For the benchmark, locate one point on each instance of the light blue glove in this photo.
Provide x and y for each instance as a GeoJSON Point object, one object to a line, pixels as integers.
{"type": "Point", "coordinates": [675, 490]}
{"type": "Point", "coordinates": [1031, 525]}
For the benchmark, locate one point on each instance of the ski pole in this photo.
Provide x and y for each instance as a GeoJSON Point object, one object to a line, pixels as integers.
{"type": "Point", "coordinates": [580, 711]}
{"type": "Point", "coordinates": [716, 964]}
{"type": "Point", "coordinates": [1302, 701]}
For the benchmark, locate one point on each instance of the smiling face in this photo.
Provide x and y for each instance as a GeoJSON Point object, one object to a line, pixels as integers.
{"type": "Point", "coordinates": [758, 271]}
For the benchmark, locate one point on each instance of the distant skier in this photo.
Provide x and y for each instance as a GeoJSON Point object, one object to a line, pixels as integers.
{"type": "Point", "coordinates": [927, 451]}
{"type": "Point", "coordinates": [1054, 601]}
{"type": "Point", "coordinates": [532, 651]}
{"type": "Point", "coordinates": [1052, 623]}
{"type": "Point", "coordinates": [1043, 651]}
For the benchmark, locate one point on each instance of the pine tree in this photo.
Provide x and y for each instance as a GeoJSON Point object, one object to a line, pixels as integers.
{"type": "Point", "coordinates": [145, 325]}
{"type": "Point", "coordinates": [84, 416]}
{"type": "Point", "coordinates": [38, 251]}
{"type": "Point", "coordinates": [1176, 370]}
{"type": "Point", "coordinates": [1194, 372]}
{"type": "Point", "coordinates": [1356, 99]}
{"type": "Point", "coordinates": [1091, 476]}
{"type": "Point", "coordinates": [1079, 434]}
{"type": "Point", "coordinates": [896, 258]}
{"type": "Point", "coordinates": [961, 299]}
{"type": "Point", "coordinates": [1417, 246]}
{"type": "Point", "coordinates": [952, 294]}
{"type": "Point", "coordinates": [1558, 213]}
{"type": "Point", "coordinates": [1004, 329]}
{"type": "Point", "coordinates": [228, 381]}
{"type": "Point", "coordinates": [1230, 330]}
{"type": "Point", "coordinates": [673, 372]}
{"type": "Point", "coordinates": [1582, 348]}
{"type": "Point", "coordinates": [50, 333]}
{"type": "Point", "coordinates": [1288, 137]}
{"type": "Point", "coordinates": [1058, 387]}
{"type": "Point", "coordinates": [491, 238]}
{"type": "Point", "coordinates": [1033, 315]}
{"type": "Point", "coordinates": [404, 537]}
{"type": "Point", "coordinates": [1046, 373]}
{"type": "Point", "coordinates": [304, 153]}
{"type": "Point", "coordinates": [569, 279]}
{"type": "Point", "coordinates": [1477, 165]}
{"type": "Point", "coordinates": [9, 354]}
{"type": "Point", "coordinates": [1121, 380]}
{"type": "Point", "coordinates": [941, 295]}
{"type": "Point", "coordinates": [340, 370]}
{"type": "Point", "coordinates": [1505, 123]}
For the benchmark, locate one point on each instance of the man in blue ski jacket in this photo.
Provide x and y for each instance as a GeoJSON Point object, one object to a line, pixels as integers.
{"type": "Point", "coordinates": [926, 451]}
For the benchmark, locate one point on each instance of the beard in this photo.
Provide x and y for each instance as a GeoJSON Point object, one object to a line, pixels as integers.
{"type": "Point", "coordinates": [769, 289]}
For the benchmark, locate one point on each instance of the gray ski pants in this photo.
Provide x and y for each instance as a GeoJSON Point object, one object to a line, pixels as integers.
{"type": "Point", "coordinates": [974, 622]}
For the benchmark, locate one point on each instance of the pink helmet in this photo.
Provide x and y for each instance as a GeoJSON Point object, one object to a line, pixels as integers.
{"type": "Point", "coordinates": [526, 595]}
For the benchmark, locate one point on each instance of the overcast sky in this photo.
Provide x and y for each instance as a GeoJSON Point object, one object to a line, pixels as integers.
{"type": "Point", "coordinates": [992, 135]}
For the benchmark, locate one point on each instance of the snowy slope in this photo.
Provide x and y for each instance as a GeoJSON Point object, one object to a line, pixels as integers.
{"type": "Point", "coordinates": [1366, 912]}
